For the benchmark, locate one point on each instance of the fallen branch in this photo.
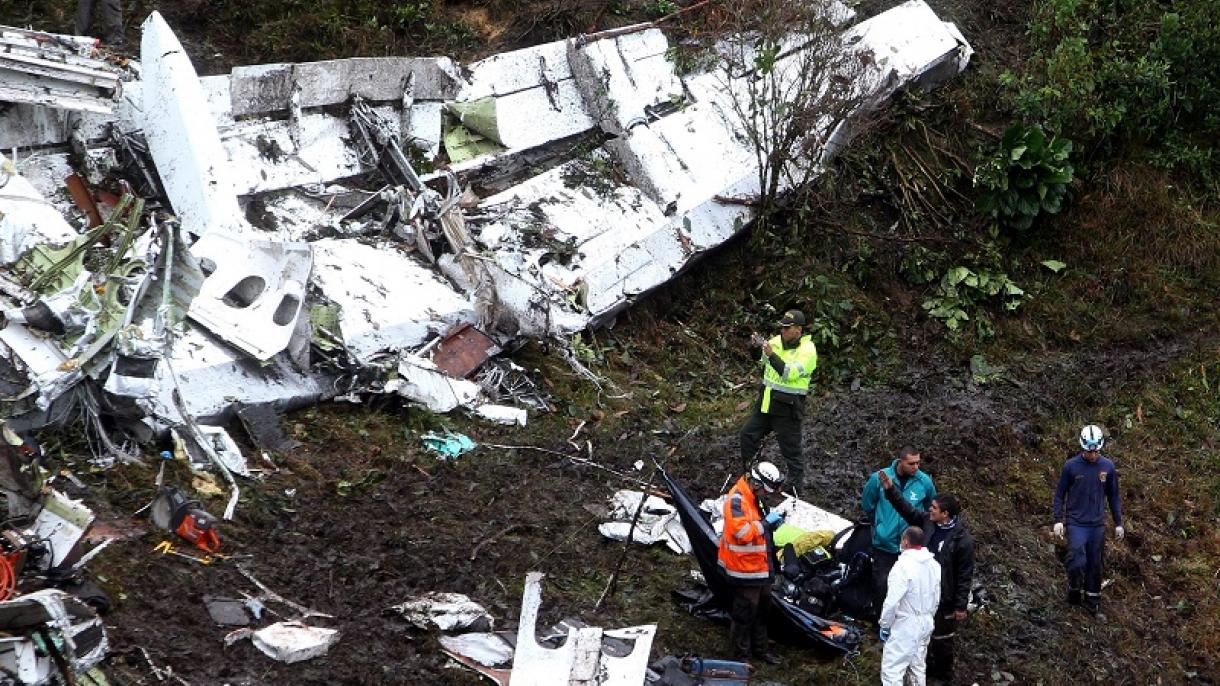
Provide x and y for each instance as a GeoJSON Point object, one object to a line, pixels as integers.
{"type": "Point", "coordinates": [475, 552]}
{"type": "Point", "coordinates": [612, 582]}
{"type": "Point", "coordinates": [272, 595]}
{"type": "Point", "coordinates": [574, 458]}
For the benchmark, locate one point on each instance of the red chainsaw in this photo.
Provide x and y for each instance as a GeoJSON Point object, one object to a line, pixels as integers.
{"type": "Point", "coordinates": [173, 511]}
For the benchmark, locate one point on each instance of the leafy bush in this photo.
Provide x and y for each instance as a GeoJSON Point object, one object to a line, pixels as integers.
{"type": "Point", "coordinates": [962, 290]}
{"type": "Point", "coordinates": [1125, 74]}
{"type": "Point", "coordinates": [1027, 176]}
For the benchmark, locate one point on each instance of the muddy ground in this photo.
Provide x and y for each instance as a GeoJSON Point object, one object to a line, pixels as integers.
{"type": "Point", "coordinates": [477, 525]}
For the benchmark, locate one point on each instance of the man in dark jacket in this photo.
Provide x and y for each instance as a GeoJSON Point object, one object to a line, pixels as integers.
{"type": "Point", "coordinates": [1087, 484]}
{"type": "Point", "coordinates": [945, 536]}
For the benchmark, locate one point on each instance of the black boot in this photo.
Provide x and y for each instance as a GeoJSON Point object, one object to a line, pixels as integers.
{"type": "Point", "coordinates": [1073, 596]}
{"type": "Point", "coordinates": [768, 657]}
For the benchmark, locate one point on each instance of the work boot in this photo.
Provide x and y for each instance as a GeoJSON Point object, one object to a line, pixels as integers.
{"type": "Point", "coordinates": [767, 657]}
{"type": "Point", "coordinates": [1073, 596]}
{"type": "Point", "coordinates": [1092, 605]}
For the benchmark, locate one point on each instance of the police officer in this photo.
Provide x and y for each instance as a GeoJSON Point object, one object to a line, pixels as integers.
{"type": "Point", "coordinates": [788, 361]}
{"type": "Point", "coordinates": [1087, 484]}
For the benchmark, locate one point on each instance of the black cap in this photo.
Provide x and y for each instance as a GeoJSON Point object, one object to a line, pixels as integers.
{"type": "Point", "coordinates": [793, 318]}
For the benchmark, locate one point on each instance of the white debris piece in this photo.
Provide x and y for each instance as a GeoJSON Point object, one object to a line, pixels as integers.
{"type": "Point", "coordinates": [487, 649]}
{"type": "Point", "coordinates": [252, 303]}
{"type": "Point", "coordinates": [55, 71]}
{"type": "Point", "coordinates": [226, 449]}
{"type": "Point", "coordinates": [445, 611]}
{"type": "Point", "coordinates": [293, 641]}
{"type": "Point", "coordinates": [27, 219]}
{"type": "Point", "coordinates": [76, 630]}
{"type": "Point", "coordinates": [387, 299]}
{"type": "Point", "coordinates": [580, 659]}
{"type": "Point", "coordinates": [502, 414]}
{"type": "Point", "coordinates": [658, 522]}
{"type": "Point", "coordinates": [182, 136]}
{"type": "Point", "coordinates": [62, 522]}
{"type": "Point", "coordinates": [423, 382]}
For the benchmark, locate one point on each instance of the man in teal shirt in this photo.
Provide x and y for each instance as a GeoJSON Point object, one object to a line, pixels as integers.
{"type": "Point", "coordinates": [888, 525]}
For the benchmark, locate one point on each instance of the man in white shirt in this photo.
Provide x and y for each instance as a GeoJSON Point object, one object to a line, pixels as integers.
{"type": "Point", "coordinates": [909, 612]}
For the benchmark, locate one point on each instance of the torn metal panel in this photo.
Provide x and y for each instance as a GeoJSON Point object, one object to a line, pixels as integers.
{"type": "Point", "coordinates": [291, 642]}
{"type": "Point", "coordinates": [387, 299]}
{"type": "Point", "coordinates": [486, 653]}
{"type": "Point", "coordinates": [78, 634]}
{"type": "Point", "coordinates": [580, 660]}
{"type": "Point", "coordinates": [269, 88]}
{"type": "Point", "coordinates": [264, 424]}
{"type": "Point", "coordinates": [211, 377]}
{"type": "Point", "coordinates": [254, 303]}
{"type": "Point", "coordinates": [223, 445]}
{"type": "Point", "coordinates": [623, 80]}
{"type": "Point", "coordinates": [62, 522]}
{"type": "Point", "coordinates": [446, 612]}
{"type": "Point", "coordinates": [53, 71]}
{"type": "Point", "coordinates": [182, 137]}
{"type": "Point", "coordinates": [463, 351]}
{"type": "Point", "coordinates": [27, 219]}
{"type": "Point", "coordinates": [421, 381]}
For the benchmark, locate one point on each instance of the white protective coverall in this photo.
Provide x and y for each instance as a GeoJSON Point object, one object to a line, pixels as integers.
{"type": "Point", "coordinates": [910, 606]}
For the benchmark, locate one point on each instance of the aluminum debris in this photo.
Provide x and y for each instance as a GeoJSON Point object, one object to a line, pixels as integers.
{"type": "Point", "coordinates": [581, 659]}
{"type": "Point", "coordinates": [446, 612]}
{"type": "Point", "coordinates": [313, 252]}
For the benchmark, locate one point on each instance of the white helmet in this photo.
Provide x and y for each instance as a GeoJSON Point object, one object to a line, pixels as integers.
{"type": "Point", "coordinates": [768, 475]}
{"type": "Point", "coordinates": [1091, 437]}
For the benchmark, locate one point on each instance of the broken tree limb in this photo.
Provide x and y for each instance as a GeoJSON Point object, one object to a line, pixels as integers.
{"type": "Point", "coordinates": [574, 458]}
{"type": "Point", "coordinates": [503, 532]}
{"type": "Point", "coordinates": [272, 595]}
{"type": "Point", "coordinates": [585, 38]}
{"type": "Point", "coordinates": [612, 582]}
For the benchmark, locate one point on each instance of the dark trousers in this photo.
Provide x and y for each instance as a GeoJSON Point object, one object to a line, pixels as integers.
{"type": "Point", "coordinates": [1084, 557]}
{"type": "Point", "coordinates": [883, 562]}
{"type": "Point", "coordinates": [104, 17]}
{"type": "Point", "coordinates": [748, 620]}
{"type": "Point", "coordinates": [787, 427]}
{"type": "Point", "coordinates": [940, 649]}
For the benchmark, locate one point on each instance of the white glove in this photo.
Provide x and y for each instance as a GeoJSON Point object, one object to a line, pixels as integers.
{"type": "Point", "coordinates": [1058, 529]}
{"type": "Point", "coordinates": [1119, 532]}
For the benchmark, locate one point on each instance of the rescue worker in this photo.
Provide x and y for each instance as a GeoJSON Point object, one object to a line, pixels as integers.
{"type": "Point", "coordinates": [1087, 483]}
{"type": "Point", "coordinates": [103, 18]}
{"type": "Point", "coordinates": [747, 557]}
{"type": "Point", "coordinates": [916, 488]}
{"type": "Point", "coordinates": [945, 536]}
{"type": "Point", "coordinates": [906, 617]}
{"type": "Point", "coordinates": [788, 361]}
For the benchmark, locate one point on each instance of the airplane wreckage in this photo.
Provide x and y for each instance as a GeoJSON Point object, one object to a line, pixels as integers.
{"type": "Point", "coordinates": [176, 251]}
{"type": "Point", "coordinates": [241, 263]}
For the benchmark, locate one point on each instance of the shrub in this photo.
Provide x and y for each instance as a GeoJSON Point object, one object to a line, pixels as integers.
{"type": "Point", "coordinates": [1027, 176]}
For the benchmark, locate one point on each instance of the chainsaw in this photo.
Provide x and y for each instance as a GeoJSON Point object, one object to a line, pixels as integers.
{"type": "Point", "coordinates": [173, 511]}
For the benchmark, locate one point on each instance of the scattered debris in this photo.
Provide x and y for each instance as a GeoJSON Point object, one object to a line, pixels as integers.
{"type": "Point", "coordinates": [173, 511]}
{"type": "Point", "coordinates": [657, 523]}
{"type": "Point", "coordinates": [293, 641]}
{"type": "Point", "coordinates": [447, 446]}
{"type": "Point", "coordinates": [445, 611]}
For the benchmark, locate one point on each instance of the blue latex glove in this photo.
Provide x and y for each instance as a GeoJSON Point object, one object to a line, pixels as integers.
{"type": "Point", "coordinates": [884, 635]}
{"type": "Point", "coordinates": [774, 519]}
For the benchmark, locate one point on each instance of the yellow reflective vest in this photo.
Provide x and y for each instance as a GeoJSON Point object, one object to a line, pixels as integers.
{"type": "Point", "coordinates": [799, 363]}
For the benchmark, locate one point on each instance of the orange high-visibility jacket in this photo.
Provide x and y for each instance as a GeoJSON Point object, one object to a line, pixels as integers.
{"type": "Point", "coordinates": [743, 544]}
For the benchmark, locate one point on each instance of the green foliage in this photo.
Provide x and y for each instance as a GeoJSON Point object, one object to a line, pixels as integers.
{"type": "Point", "coordinates": [962, 291]}
{"type": "Point", "coordinates": [1117, 72]}
{"type": "Point", "coordinates": [920, 265]}
{"type": "Point", "coordinates": [661, 8]}
{"type": "Point", "coordinates": [1027, 176]}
